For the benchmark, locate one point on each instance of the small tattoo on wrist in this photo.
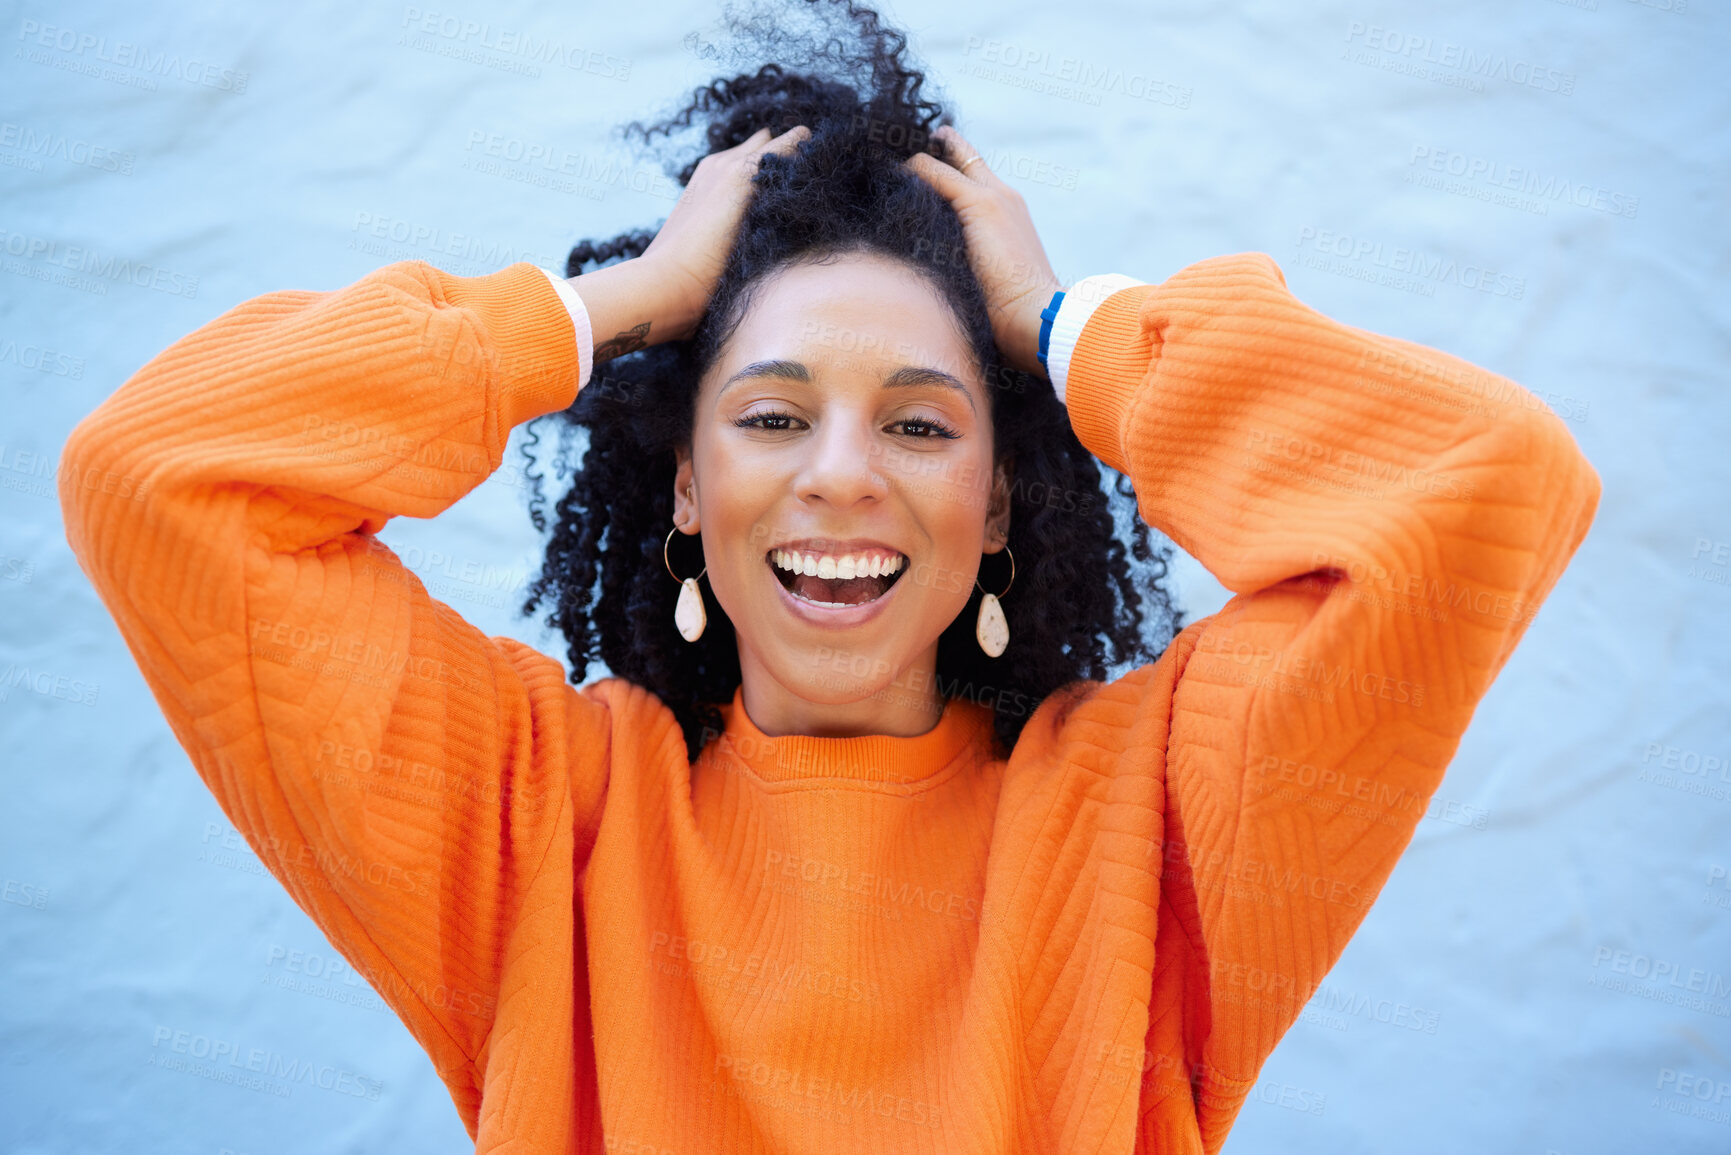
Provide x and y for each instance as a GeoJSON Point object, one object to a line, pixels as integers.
{"type": "Point", "coordinates": [629, 341]}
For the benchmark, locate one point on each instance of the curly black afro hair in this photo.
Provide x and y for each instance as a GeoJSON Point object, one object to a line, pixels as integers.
{"type": "Point", "coordinates": [1082, 602]}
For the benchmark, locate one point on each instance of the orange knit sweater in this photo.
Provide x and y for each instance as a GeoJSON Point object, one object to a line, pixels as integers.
{"type": "Point", "coordinates": [827, 944]}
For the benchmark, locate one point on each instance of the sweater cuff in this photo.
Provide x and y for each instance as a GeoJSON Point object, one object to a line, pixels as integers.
{"type": "Point", "coordinates": [1080, 301]}
{"type": "Point", "coordinates": [536, 368]}
{"type": "Point", "coordinates": [1107, 370]}
{"type": "Point", "coordinates": [580, 325]}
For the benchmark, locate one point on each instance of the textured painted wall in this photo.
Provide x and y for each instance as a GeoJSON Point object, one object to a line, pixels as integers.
{"type": "Point", "coordinates": [1537, 185]}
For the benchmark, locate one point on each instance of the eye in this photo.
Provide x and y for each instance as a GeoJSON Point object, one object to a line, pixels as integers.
{"type": "Point", "coordinates": [924, 427]}
{"type": "Point", "coordinates": [774, 421]}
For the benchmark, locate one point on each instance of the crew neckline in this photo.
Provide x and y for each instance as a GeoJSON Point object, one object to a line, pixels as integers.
{"type": "Point", "coordinates": [868, 759]}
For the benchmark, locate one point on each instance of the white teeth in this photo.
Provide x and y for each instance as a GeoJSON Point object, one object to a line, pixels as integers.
{"type": "Point", "coordinates": [828, 566]}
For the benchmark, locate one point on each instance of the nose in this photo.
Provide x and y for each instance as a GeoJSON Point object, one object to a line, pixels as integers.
{"type": "Point", "coordinates": [840, 467]}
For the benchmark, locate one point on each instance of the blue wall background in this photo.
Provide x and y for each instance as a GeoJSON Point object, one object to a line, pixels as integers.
{"type": "Point", "coordinates": [1550, 968]}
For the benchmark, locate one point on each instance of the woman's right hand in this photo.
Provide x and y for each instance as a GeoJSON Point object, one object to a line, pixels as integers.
{"type": "Point", "coordinates": [694, 242]}
{"type": "Point", "coordinates": [661, 295]}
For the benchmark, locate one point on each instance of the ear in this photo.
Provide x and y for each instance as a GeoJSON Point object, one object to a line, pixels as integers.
{"type": "Point", "coordinates": [998, 508]}
{"type": "Point", "coordinates": [685, 492]}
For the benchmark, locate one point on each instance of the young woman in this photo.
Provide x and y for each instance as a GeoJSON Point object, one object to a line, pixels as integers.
{"type": "Point", "coordinates": [858, 850]}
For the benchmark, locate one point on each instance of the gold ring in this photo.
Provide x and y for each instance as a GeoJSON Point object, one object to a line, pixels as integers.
{"type": "Point", "coordinates": [966, 163]}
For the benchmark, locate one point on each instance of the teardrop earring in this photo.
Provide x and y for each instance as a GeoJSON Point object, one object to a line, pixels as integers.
{"type": "Point", "coordinates": [688, 614]}
{"type": "Point", "coordinates": [992, 631]}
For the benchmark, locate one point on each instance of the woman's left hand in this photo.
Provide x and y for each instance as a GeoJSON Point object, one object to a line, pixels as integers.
{"type": "Point", "coordinates": [1004, 249]}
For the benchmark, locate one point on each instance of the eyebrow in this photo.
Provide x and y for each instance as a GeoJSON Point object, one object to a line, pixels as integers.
{"type": "Point", "coordinates": [907, 377]}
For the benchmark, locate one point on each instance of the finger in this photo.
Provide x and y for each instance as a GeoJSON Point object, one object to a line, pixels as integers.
{"type": "Point", "coordinates": [964, 157]}
{"type": "Point", "coordinates": [751, 143]}
{"type": "Point", "coordinates": [974, 167]}
{"type": "Point", "coordinates": [958, 150]}
{"type": "Point", "coordinates": [787, 141]}
{"type": "Point", "coordinates": [949, 183]}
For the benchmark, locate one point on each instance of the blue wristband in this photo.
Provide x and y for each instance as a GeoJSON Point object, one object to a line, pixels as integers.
{"type": "Point", "coordinates": [1047, 316]}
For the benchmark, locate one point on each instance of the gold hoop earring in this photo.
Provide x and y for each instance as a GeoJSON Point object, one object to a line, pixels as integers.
{"type": "Point", "coordinates": [991, 630]}
{"type": "Point", "coordinates": [688, 613]}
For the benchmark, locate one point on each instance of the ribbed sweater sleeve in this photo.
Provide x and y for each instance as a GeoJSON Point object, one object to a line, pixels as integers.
{"type": "Point", "coordinates": [403, 776]}
{"type": "Point", "coordinates": [1389, 518]}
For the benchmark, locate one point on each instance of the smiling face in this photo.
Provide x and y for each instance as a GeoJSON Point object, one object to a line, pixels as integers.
{"type": "Point", "coordinates": [841, 460]}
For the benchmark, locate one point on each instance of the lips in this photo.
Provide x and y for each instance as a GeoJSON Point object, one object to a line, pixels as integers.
{"type": "Point", "coordinates": [836, 574]}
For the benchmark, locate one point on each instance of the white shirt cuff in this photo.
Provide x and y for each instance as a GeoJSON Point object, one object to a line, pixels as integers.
{"type": "Point", "coordinates": [579, 322]}
{"type": "Point", "coordinates": [1080, 301]}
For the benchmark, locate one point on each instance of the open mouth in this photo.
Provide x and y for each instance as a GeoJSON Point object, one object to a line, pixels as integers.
{"type": "Point", "coordinates": [835, 580]}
